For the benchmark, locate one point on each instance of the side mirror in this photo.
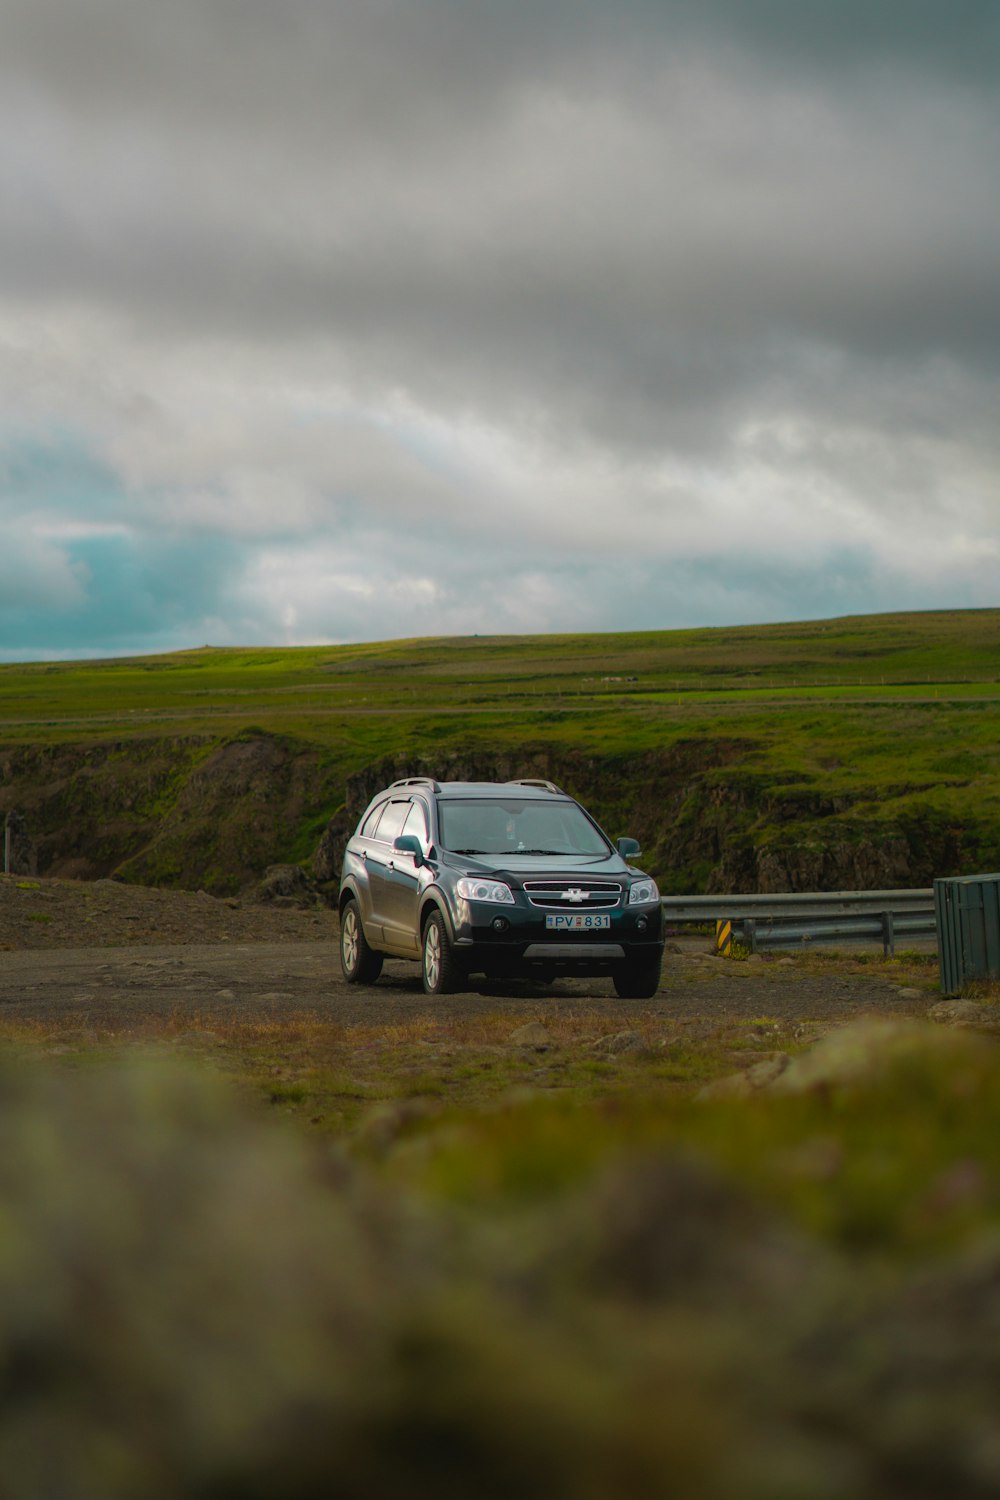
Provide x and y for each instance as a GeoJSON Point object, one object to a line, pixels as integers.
{"type": "Point", "coordinates": [629, 848]}
{"type": "Point", "coordinates": [408, 843]}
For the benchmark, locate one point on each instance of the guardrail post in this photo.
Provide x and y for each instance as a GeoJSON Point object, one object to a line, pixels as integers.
{"type": "Point", "coordinates": [724, 939]}
{"type": "Point", "coordinates": [888, 935]}
{"type": "Point", "coordinates": [6, 845]}
{"type": "Point", "coordinates": [750, 934]}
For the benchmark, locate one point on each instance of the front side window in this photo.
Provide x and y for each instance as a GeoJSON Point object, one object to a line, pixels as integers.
{"type": "Point", "coordinates": [416, 822]}
{"type": "Point", "coordinates": [391, 822]}
{"type": "Point", "coordinates": [513, 826]}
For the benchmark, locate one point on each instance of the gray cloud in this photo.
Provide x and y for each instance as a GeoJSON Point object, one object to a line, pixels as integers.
{"type": "Point", "coordinates": [728, 271]}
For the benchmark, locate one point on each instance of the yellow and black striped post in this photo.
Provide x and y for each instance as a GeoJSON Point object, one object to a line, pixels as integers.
{"type": "Point", "coordinates": [724, 938]}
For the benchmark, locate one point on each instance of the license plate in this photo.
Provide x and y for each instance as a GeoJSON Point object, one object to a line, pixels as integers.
{"type": "Point", "coordinates": [578, 921]}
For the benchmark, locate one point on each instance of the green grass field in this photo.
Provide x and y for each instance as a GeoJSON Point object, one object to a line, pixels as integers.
{"type": "Point", "coordinates": [318, 691]}
{"type": "Point", "coordinates": [869, 728]}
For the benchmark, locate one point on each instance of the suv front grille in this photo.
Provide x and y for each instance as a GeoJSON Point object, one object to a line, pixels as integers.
{"type": "Point", "coordinates": [573, 895]}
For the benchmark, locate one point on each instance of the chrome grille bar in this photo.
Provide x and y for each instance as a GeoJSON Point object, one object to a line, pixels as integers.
{"type": "Point", "coordinates": [587, 895]}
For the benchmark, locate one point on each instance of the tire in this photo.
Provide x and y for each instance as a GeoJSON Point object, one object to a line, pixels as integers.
{"type": "Point", "coordinates": [638, 981]}
{"type": "Point", "coordinates": [360, 964]}
{"type": "Point", "coordinates": [439, 968]}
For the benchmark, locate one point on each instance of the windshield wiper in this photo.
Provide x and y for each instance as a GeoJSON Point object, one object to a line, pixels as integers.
{"type": "Point", "coordinates": [502, 853]}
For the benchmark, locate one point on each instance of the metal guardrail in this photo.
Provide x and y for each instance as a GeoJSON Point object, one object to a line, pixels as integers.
{"type": "Point", "coordinates": [787, 919]}
{"type": "Point", "coordinates": [884, 927]}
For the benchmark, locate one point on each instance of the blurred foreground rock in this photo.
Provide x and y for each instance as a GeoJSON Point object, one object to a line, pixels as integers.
{"type": "Point", "coordinates": [862, 1051]}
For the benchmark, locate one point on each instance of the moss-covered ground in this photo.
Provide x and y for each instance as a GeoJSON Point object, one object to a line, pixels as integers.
{"type": "Point", "coordinates": [464, 1108]}
{"type": "Point", "coordinates": [439, 1257]}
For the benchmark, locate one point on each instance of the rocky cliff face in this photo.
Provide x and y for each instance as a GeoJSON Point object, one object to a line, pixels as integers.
{"type": "Point", "coordinates": [199, 813]}
{"type": "Point", "coordinates": [20, 856]}
{"type": "Point", "coordinates": [188, 812]}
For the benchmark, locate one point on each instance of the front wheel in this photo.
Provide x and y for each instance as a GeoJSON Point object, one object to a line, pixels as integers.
{"type": "Point", "coordinates": [638, 981]}
{"type": "Point", "coordinates": [440, 970]}
{"type": "Point", "coordinates": [361, 964]}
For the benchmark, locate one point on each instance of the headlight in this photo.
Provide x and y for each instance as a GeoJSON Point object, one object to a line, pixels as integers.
{"type": "Point", "coordinates": [643, 892]}
{"type": "Point", "coordinates": [470, 889]}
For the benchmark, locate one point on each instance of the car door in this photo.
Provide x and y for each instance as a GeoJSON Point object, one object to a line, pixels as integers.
{"type": "Point", "coordinates": [357, 860]}
{"type": "Point", "coordinates": [402, 886]}
{"type": "Point", "coordinates": [380, 860]}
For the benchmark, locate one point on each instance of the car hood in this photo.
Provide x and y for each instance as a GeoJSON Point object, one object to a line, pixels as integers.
{"type": "Point", "coordinates": [521, 867]}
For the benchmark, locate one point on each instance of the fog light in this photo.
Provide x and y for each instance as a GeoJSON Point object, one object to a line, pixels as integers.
{"type": "Point", "coordinates": [500, 924]}
{"type": "Point", "coordinates": [642, 924]}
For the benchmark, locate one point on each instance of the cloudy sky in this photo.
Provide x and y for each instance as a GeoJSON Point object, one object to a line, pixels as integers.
{"type": "Point", "coordinates": [351, 319]}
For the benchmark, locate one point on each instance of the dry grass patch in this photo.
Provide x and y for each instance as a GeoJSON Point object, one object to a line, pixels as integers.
{"type": "Point", "coordinates": [328, 1076]}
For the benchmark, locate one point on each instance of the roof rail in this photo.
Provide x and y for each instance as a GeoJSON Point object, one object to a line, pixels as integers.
{"type": "Point", "coordinates": [416, 781]}
{"type": "Point", "coordinates": [547, 786]}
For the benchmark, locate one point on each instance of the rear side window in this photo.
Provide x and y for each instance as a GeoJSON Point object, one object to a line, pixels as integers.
{"type": "Point", "coordinates": [367, 829]}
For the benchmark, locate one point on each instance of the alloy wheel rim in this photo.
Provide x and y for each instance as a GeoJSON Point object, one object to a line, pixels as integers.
{"type": "Point", "coordinates": [432, 956]}
{"type": "Point", "coordinates": [350, 940]}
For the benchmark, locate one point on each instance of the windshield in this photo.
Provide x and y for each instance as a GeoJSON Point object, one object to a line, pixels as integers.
{"type": "Point", "coordinates": [518, 826]}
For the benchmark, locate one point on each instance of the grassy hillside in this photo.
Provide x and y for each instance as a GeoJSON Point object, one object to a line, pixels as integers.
{"type": "Point", "coordinates": [953, 655]}
{"type": "Point", "coordinates": [765, 755]}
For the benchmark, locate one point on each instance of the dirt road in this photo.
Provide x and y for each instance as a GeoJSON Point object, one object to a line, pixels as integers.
{"type": "Point", "coordinates": [120, 958]}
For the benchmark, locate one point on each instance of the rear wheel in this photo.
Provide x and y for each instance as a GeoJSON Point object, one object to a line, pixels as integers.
{"type": "Point", "coordinates": [638, 980]}
{"type": "Point", "coordinates": [361, 964]}
{"type": "Point", "coordinates": [440, 969]}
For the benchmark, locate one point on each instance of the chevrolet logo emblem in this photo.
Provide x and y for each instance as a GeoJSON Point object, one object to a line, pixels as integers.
{"type": "Point", "coordinates": [574, 895]}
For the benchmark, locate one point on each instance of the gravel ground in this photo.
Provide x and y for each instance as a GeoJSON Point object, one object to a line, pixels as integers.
{"type": "Point", "coordinates": [122, 957]}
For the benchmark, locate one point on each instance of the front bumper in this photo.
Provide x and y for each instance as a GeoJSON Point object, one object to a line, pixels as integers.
{"type": "Point", "coordinates": [507, 939]}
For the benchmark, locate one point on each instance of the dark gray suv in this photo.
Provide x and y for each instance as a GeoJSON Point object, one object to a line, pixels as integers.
{"type": "Point", "coordinates": [497, 878]}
